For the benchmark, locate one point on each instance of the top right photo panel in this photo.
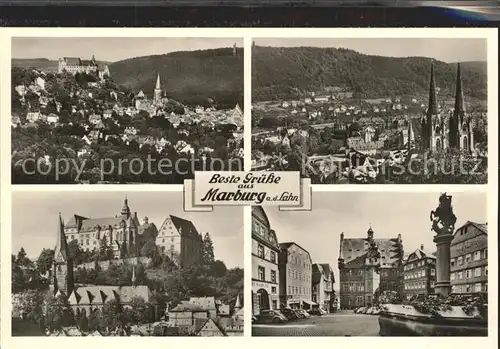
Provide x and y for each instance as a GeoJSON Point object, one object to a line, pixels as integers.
{"type": "Point", "coordinates": [371, 111]}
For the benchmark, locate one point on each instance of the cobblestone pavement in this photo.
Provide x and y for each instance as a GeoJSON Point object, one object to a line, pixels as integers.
{"type": "Point", "coordinates": [337, 324]}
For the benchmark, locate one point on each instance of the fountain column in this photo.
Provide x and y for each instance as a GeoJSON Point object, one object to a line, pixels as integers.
{"type": "Point", "coordinates": [443, 285]}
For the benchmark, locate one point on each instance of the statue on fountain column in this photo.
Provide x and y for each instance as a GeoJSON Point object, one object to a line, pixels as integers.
{"type": "Point", "coordinates": [443, 219]}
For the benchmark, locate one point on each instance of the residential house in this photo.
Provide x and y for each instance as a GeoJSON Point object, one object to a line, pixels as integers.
{"type": "Point", "coordinates": [419, 273]}
{"type": "Point", "coordinates": [469, 259]}
{"type": "Point", "coordinates": [323, 281]}
{"type": "Point", "coordinates": [265, 271]}
{"type": "Point", "coordinates": [295, 276]}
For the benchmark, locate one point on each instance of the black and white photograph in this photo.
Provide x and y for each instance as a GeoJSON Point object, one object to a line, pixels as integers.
{"type": "Point", "coordinates": [371, 110]}
{"type": "Point", "coordinates": [125, 110]}
{"type": "Point", "coordinates": [372, 264]}
{"type": "Point", "coordinates": [99, 263]}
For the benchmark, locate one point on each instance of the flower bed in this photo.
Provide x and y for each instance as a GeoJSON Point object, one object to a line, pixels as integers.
{"type": "Point", "coordinates": [432, 315]}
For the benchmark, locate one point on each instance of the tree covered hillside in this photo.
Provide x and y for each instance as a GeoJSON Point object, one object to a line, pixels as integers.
{"type": "Point", "coordinates": [281, 73]}
{"type": "Point", "coordinates": [191, 77]}
{"type": "Point", "coordinates": [41, 63]}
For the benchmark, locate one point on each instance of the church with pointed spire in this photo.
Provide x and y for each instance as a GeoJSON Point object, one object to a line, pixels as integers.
{"type": "Point", "coordinates": [443, 128]}
{"type": "Point", "coordinates": [88, 298]}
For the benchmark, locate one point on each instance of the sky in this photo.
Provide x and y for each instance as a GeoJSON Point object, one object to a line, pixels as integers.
{"type": "Point", "coordinates": [446, 50]}
{"type": "Point", "coordinates": [35, 218]}
{"type": "Point", "coordinates": [389, 214]}
{"type": "Point", "coordinates": [112, 49]}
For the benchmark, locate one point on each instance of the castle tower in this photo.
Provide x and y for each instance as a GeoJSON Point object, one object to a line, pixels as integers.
{"type": "Point", "coordinates": [157, 92]}
{"type": "Point", "coordinates": [62, 269]}
{"type": "Point", "coordinates": [125, 209]}
{"type": "Point", "coordinates": [93, 60]}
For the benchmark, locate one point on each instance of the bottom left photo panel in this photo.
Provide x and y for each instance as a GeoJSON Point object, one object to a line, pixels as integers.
{"type": "Point", "coordinates": [115, 263]}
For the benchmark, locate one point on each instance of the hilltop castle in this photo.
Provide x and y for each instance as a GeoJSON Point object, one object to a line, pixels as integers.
{"type": "Point", "coordinates": [123, 233]}
{"type": "Point", "coordinates": [76, 65]}
{"type": "Point", "coordinates": [442, 129]}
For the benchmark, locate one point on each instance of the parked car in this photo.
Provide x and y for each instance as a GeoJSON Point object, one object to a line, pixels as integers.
{"type": "Point", "coordinates": [315, 311]}
{"type": "Point", "coordinates": [323, 311]}
{"type": "Point", "coordinates": [369, 311]}
{"type": "Point", "coordinates": [361, 310]}
{"type": "Point", "coordinates": [271, 316]}
{"type": "Point", "coordinates": [303, 313]}
{"type": "Point", "coordinates": [376, 311]}
{"type": "Point", "coordinates": [290, 314]}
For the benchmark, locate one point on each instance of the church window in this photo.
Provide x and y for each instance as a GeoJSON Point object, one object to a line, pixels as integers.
{"type": "Point", "coordinates": [438, 144]}
{"type": "Point", "coordinates": [465, 145]}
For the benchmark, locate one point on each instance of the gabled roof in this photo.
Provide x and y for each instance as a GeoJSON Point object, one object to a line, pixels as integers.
{"type": "Point", "coordinates": [210, 324]}
{"type": "Point", "coordinates": [183, 226]}
{"type": "Point", "coordinates": [357, 247]}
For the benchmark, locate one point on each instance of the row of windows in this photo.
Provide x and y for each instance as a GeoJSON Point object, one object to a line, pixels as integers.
{"type": "Point", "coordinates": [258, 228]}
{"type": "Point", "coordinates": [469, 257]}
{"type": "Point", "coordinates": [297, 275]}
{"type": "Point", "coordinates": [418, 264]}
{"type": "Point", "coordinates": [298, 261]}
{"type": "Point", "coordinates": [418, 274]}
{"type": "Point", "coordinates": [262, 274]}
{"type": "Point", "coordinates": [470, 288]}
{"type": "Point", "coordinates": [359, 300]}
{"type": "Point", "coordinates": [418, 285]}
{"type": "Point", "coordinates": [261, 254]}
{"type": "Point", "coordinates": [469, 273]}
{"type": "Point", "coordinates": [352, 287]}
{"type": "Point", "coordinates": [298, 290]}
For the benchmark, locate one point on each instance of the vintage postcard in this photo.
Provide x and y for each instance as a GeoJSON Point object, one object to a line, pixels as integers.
{"type": "Point", "coordinates": [125, 110]}
{"type": "Point", "coordinates": [124, 264]}
{"type": "Point", "coordinates": [363, 269]}
{"type": "Point", "coordinates": [371, 110]}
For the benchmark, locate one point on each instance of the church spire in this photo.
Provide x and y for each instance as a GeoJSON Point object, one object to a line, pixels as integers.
{"type": "Point", "coordinates": [158, 84]}
{"type": "Point", "coordinates": [237, 304]}
{"type": "Point", "coordinates": [125, 209]}
{"type": "Point", "coordinates": [432, 108]}
{"type": "Point", "coordinates": [133, 276]}
{"type": "Point", "coordinates": [459, 94]}
{"type": "Point", "coordinates": [61, 249]}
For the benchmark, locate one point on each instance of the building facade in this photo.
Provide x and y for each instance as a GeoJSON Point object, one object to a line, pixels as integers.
{"type": "Point", "coordinates": [74, 65]}
{"type": "Point", "coordinates": [323, 281]}
{"type": "Point", "coordinates": [120, 233]}
{"type": "Point", "coordinates": [295, 282]}
{"type": "Point", "coordinates": [89, 298]}
{"type": "Point", "coordinates": [367, 267]}
{"type": "Point", "coordinates": [265, 271]}
{"type": "Point", "coordinates": [442, 128]}
{"type": "Point", "coordinates": [469, 259]}
{"type": "Point", "coordinates": [419, 271]}
{"type": "Point", "coordinates": [180, 241]}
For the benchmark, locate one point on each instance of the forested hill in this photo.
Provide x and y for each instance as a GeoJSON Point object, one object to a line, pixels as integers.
{"type": "Point", "coordinates": [191, 77]}
{"type": "Point", "coordinates": [41, 63]}
{"type": "Point", "coordinates": [288, 72]}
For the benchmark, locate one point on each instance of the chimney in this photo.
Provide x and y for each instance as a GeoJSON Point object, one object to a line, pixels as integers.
{"type": "Point", "coordinates": [146, 220]}
{"type": "Point", "coordinates": [135, 214]}
{"type": "Point", "coordinates": [422, 247]}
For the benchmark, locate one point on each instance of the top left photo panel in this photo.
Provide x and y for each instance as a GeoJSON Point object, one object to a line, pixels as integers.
{"type": "Point", "coordinates": [125, 110]}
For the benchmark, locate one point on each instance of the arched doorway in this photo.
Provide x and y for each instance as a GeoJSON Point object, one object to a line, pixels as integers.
{"type": "Point", "coordinates": [262, 299]}
{"type": "Point", "coordinates": [465, 143]}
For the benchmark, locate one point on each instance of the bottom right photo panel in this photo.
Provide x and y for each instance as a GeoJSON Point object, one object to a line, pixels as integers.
{"type": "Point", "coordinates": [372, 264]}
